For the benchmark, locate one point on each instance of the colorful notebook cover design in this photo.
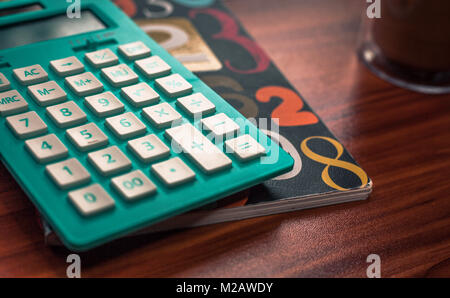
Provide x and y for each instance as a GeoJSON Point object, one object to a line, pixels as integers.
{"type": "Point", "coordinates": [211, 42]}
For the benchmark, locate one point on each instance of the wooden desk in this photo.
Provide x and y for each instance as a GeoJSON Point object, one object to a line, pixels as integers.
{"type": "Point", "coordinates": [401, 138]}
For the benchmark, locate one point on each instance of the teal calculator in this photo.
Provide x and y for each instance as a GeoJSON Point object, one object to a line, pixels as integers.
{"type": "Point", "coordinates": [106, 132]}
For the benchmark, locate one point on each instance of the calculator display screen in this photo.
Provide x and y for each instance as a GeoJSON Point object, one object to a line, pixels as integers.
{"type": "Point", "coordinates": [49, 28]}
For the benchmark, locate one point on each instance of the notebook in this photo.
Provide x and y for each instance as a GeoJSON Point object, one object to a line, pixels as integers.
{"type": "Point", "coordinates": [209, 40]}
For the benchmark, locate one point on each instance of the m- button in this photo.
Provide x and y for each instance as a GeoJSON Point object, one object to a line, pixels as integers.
{"type": "Point", "coordinates": [30, 75]}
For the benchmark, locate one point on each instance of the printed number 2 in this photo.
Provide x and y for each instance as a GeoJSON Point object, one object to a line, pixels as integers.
{"type": "Point", "coordinates": [288, 112]}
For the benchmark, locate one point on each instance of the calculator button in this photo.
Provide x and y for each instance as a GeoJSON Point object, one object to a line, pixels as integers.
{"type": "Point", "coordinates": [140, 95]}
{"type": "Point", "coordinates": [245, 147]}
{"type": "Point", "coordinates": [26, 125]}
{"type": "Point", "coordinates": [47, 148]}
{"type": "Point", "coordinates": [196, 105]}
{"type": "Point", "coordinates": [67, 174]}
{"type": "Point", "coordinates": [196, 146]}
{"type": "Point", "coordinates": [173, 171]}
{"type": "Point", "coordinates": [174, 85]}
{"type": "Point", "coordinates": [66, 114]}
{"type": "Point", "coordinates": [153, 67]}
{"type": "Point", "coordinates": [120, 75]}
{"type": "Point", "coordinates": [87, 137]}
{"type": "Point", "coordinates": [30, 75]}
{"type": "Point", "coordinates": [126, 126]}
{"type": "Point", "coordinates": [134, 185]}
{"type": "Point", "coordinates": [47, 93]}
{"type": "Point", "coordinates": [104, 104]}
{"type": "Point", "coordinates": [91, 200]}
{"type": "Point", "coordinates": [67, 66]}
{"type": "Point", "coordinates": [220, 125]}
{"type": "Point", "coordinates": [149, 148]}
{"type": "Point", "coordinates": [84, 84]}
{"type": "Point", "coordinates": [109, 161]}
{"type": "Point", "coordinates": [4, 83]}
{"type": "Point", "coordinates": [11, 102]}
{"type": "Point", "coordinates": [161, 115]}
{"type": "Point", "coordinates": [102, 58]}
{"type": "Point", "coordinates": [134, 50]}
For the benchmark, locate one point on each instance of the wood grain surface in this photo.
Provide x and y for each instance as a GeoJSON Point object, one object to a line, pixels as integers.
{"type": "Point", "coordinates": [401, 138]}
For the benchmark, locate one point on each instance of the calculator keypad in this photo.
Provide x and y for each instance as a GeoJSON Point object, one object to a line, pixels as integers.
{"type": "Point", "coordinates": [4, 83]}
{"type": "Point", "coordinates": [47, 93]}
{"type": "Point", "coordinates": [30, 75]}
{"type": "Point", "coordinates": [67, 66]}
{"type": "Point", "coordinates": [47, 148]}
{"type": "Point", "coordinates": [112, 161]}
{"type": "Point", "coordinates": [109, 161]}
{"type": "Point", "coordinates": [84, 84]}
{"type": "Point", "coordinates": [104, 104]}
{"type": "Point", "coordinates": [87, 137]}
{"type": "Point", "coordinates": [26, 125]}
{"type": "Point", "coordinates": [11, 102]}
{"type": "Point", "coordinates": [68, 173]}
{"type": "Point", "coordinates": [91, 200]}
{"type": "Point", "coordinates": [66, 114]}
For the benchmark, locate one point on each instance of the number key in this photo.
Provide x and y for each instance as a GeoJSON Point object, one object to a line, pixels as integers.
{"type": "Point", "coordinates": [66, 114]}
{"type": "Point", "coordinates": [133, 185]}
{"type": "Point", "coordinates": [126, 126]}
{"type": "Point", "coordinates": [149, 148]}
{"type": "Point", "coordinates": [109, 161]}
{"type": "Point", "coordinates": [26, 125]}
{"type": "Point", "coordinates": [104, 104]}
{"type": "Point", "coordinates": [91, 200]}
{"type": "Point", "coordinates": [87, 137]}
{"type": "Point", "coordinates": [47, 148]}
{"type": "Point", "coordinates": [67, 174]}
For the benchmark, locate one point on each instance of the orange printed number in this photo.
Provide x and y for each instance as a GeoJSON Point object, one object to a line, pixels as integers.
{"type": "Point", "coordinates": [288, 112]}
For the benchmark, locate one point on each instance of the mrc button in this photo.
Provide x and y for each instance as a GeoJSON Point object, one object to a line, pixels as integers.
{"type": "Point", "coordinates": [11, 102]}
{"type": "Point", "coordinates": [30, 75]}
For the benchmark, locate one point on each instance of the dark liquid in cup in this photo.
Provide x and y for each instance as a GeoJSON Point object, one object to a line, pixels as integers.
{"type": "Point", "coordinates": [415, 33]}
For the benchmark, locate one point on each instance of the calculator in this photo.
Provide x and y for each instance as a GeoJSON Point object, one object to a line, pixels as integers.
{"type": "Point", "coordinates": [106, 132]}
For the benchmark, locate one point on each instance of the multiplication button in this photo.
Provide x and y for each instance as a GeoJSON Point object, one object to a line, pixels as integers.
{"type": "Point", "coordinates": [11, 102]}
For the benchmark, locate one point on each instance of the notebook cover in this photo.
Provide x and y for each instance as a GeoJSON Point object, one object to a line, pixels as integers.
{"type": "Point", "coordinates": [206, 37]}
